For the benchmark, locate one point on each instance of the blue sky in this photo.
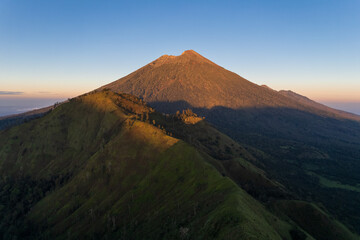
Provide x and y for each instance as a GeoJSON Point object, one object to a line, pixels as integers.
{"type": "Point", "coordinates": [59, 49]}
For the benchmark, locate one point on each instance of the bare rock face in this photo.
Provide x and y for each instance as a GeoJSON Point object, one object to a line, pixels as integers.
{"type": "Point", "coordinates": [196, 80]}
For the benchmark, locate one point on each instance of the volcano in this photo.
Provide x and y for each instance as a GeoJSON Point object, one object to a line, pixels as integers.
{"type": "Point", "coordinates": [307, 146]}
{"type": "Point", "coordinates": [191, 80]}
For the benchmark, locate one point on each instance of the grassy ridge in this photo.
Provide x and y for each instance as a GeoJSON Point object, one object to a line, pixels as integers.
{"type": "Point", "coordinates": [315, 220]}
{"type": "Point", "coordinates": [107, 174]}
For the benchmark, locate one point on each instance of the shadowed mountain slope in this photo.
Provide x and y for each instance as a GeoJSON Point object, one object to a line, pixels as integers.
{"type": "Point", "coordinates": [308, 102]}
{"type": "Point", "coordinates": [104, 166]}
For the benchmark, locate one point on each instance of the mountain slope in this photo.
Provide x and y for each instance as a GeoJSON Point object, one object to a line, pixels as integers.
{"type": "Point", "coordinates": [306, 101]}
{"type": "Point", "coordinates": [307, 147]}
{"type": "Point", "coordinates": [192, 79]}
{"type": "Point", "coordinates": [92, 169]}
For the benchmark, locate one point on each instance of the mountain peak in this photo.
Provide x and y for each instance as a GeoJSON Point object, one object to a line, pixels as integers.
{"type": "Point", "coordinates": [185, 57]}
{"type": "Point", "coordinates": [192, 55]}
{"type": "Point", "coordinates": [190, 52]}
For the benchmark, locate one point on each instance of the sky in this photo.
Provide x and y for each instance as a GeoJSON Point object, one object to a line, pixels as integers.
{"type": "Point", "coordinates": [60, 49]}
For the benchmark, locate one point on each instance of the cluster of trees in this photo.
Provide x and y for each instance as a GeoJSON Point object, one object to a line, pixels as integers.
{"type": "Point", "coordinates": [17, 197]}
{"type": "Point", "coordinates": [185, 113]}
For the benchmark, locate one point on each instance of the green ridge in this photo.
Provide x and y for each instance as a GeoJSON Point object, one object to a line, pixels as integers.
{"type": "Point", "coordinates": [96, 168]}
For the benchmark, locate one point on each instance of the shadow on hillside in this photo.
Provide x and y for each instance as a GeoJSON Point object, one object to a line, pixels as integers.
{"type": "Point", "coordinates": [289, 143]}
{"type": "Point", "coordinates": [282, 123]}
{"type": "Point", "coordinates": [285, 133]}
{"type": "Point", "coordinates": [293, 143]}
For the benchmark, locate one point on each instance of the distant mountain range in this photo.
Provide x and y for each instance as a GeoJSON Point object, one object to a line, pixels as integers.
{"type": "Point", "coordinates": [213, 156]}
{"type": "Point", "coordinates": [348, 106]}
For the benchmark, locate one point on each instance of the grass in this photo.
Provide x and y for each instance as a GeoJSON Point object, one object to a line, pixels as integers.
{"type": "Point", "coordinates": [109, 175]}
{"type": "Point", "coordinates": [98, 167]}
{"type": "Point", "coordinates": [316, 222]}
{"type": "Point", "coordinates": [334, 184]}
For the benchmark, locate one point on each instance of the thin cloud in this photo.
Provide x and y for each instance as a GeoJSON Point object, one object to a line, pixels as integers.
{"type": "Point", "coordinates": [10, 93]}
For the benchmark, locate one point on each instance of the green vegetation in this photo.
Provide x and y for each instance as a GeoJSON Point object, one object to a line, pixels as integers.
{"type": "Point", "coordinates": [90, 169]}
{"type": "Point", "coordinates": [335, 184]}
{"type": "Point", "coordinates": [106, 166]}
{"type": "Point", "coordinates": [316, 221]}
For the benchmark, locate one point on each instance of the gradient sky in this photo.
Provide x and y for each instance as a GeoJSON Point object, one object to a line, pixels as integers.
{"type": "Point", "coordinates": [60, 49]}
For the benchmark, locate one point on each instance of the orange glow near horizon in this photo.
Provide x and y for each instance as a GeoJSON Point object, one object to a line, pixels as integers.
{"type": "Point", "coordinates": [39, 95]}
{"type": "Point", "coordinates": [327, 95]}
{"type": "Point", "coordinates": [322, 94]}
{"type": "Point", "coordinates": [49, 93]}
{"type": "Point", "coordinates": [336, 95]}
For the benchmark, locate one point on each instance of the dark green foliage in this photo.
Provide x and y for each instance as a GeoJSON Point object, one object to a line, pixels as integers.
{"type": "Point", "coordinates": [297, 144]}
{"type": "Point", "coordinates": [314, 220]}
{"type": "Point", "coordinates": [91, 169]}
{"type": "Point", "coordinates": [297, 149]}
{"type": "Point", "coordinates": [297, 234]}
{"type": "Point", "coordinates": [17, 197]}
